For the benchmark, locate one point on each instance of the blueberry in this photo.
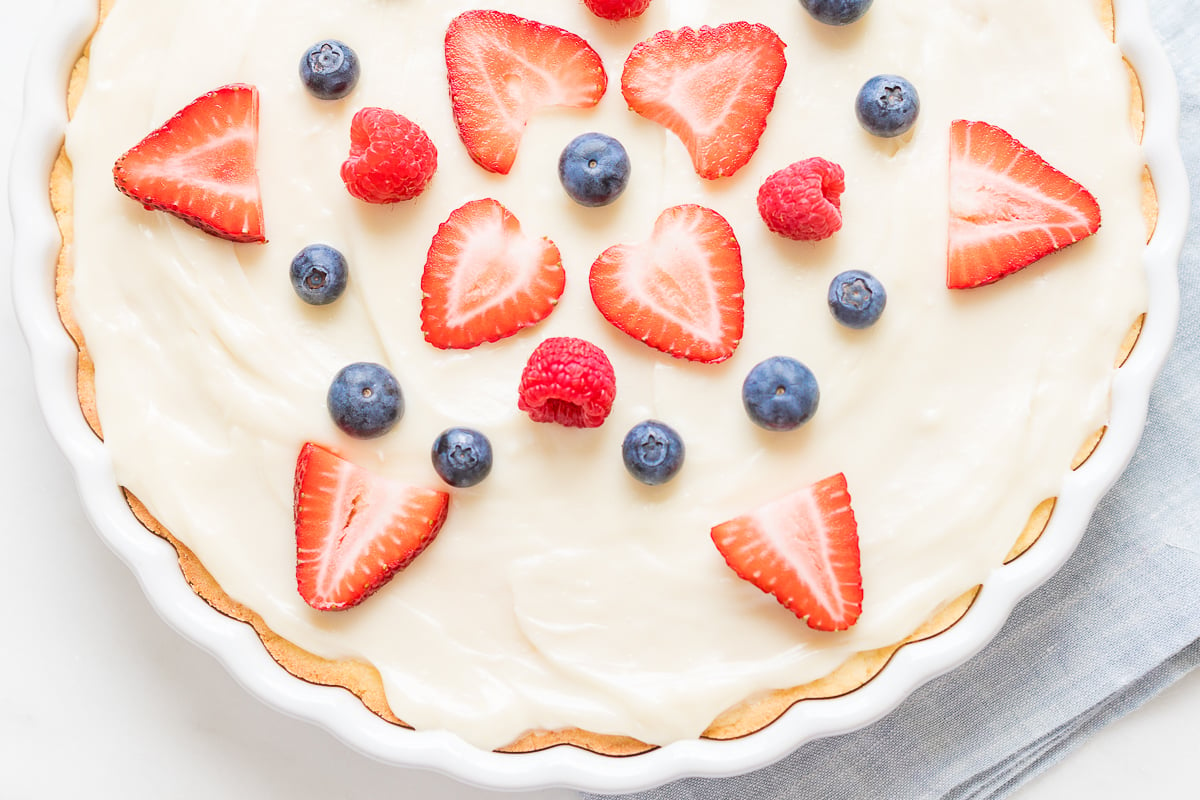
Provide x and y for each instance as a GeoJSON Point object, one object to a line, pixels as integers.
{"type": "Point", "coordinates": [653, 452]}
{"type": "Point", "coordinates": [856, 298]}
{"type": "Point", "coordinates": [365, 400]}
{"type": "Point", "coordinates": [319, 274]}
{"type": "Point", "coordinates": [462, 457]}
{"type": "Point", "coordinates": [836, 12]}
{"type": "Point", "coordinates": [329, 69]}
{"type": "Point", "coordinates": [780, 394]}
{"type": "Point", "coordinates": [594, 169]}
{"type": "Point", "coordinates": [887, 105]}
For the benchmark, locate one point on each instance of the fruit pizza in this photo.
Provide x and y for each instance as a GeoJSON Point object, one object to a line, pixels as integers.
{"type": "Point", "coordinates": [609, 372]}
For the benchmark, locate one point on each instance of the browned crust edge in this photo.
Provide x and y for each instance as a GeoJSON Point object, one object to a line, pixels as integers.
{"type": "Point", "coordinates": [364, 681]}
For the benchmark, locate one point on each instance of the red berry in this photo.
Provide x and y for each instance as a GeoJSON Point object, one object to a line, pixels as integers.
{"type": "Point", "coordinates": [804, 201]}
{"type": "Point", "coordinates": [486, 279]}
{"type": "Point", "coordinates": [391, 158]}
{"type": "Point", "coordinates": [803, 549]}
{"type": "Point", "coordinates": [503, 69]}
{"type": "Point", "coordinates": [1008, 207]}
{"type": "Point", "coordinates": [679, 292]}
{"type": "Point", "coordinates": [354, 529]}
{"type": "Point", "coordinates": [568, 381]}
{"type": "Point", "coordinates": [712, 87]}
{"type": "Point", "coordinates": [200, 165]}
{"type": "Point", "coordinates": [617, 9]}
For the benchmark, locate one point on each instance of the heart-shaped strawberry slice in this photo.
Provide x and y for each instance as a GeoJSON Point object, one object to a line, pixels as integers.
{"type": "Point", "coordinates": [485, 279]}
{"type": "Point", "coordinates": [681, 291]}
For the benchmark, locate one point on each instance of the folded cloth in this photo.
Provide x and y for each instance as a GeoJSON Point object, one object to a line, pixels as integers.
{"type": "Point", "coordinates": [1117, 624]}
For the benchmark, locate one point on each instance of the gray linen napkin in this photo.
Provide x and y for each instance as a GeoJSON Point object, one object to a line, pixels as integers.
{"type": "Point", "coordinates": [1119, 622]}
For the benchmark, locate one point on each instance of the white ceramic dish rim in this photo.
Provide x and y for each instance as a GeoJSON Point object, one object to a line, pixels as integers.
{"type": "Point", "coordinates": [235, 644]}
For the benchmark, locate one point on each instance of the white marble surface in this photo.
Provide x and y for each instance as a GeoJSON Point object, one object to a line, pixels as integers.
{"type": "Point", "coordinates": [99, 698]}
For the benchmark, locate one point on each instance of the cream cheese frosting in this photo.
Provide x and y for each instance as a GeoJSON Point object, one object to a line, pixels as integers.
{"type": "Point", "coordinates": [561, 592]}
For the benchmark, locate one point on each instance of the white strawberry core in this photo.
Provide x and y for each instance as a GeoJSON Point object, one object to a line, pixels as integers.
{"type": "Point", "coordinates": [809, 555]}
{"type": "Point", "coordinates": [359, 511]}
{"type": "Point", "coordinates": [985, 204]}
{"type": "Point", "coordinates": [672, 275]}
{"type": "Point", "coordinates": [491, 264]}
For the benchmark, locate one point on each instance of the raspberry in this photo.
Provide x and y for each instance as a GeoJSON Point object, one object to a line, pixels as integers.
{"type": "Point", "coordinates": [803, 201]}
{"type": "Point", "coordinates": [391, 158]}
{"type": "Point", "coordinates": [616, 9]}
{"type": "Point", "coordinates": [568, 381]}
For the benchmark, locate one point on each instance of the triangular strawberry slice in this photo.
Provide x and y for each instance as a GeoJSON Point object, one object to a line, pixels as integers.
{"type": "Point", "coordinates": [803, 549]}
{"type": "Point", "coordinates": [200, 165]}
{"type": "Point", "coordinates": [681, 291]}
{"type": "Point", "coordinates": [1008, 207]}
{"type": "Point", "coordinates": [355, 529]}
{"type": "Point", "coordinates": [712, 87]}
{"type": "Point", "coordinates": [503, 68]}
{"type": "Point", "coordinates": [485, 279]}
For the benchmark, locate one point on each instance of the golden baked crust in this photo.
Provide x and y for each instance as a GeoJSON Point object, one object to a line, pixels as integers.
{"type": "Point", "coordinates": [364, 681]}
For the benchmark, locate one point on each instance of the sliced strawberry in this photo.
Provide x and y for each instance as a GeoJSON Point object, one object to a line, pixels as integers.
{"type": "Point", "coordinates": [200, 165]}
{"type": "Point", "coordinates": [712, 87]}
{"type": "Point", "coordinates": [680, 292]}
{"type": "Point", "coordinates": [485, 279]}
{"type": "Point", "coordinates": [803, 549]}
{"type": "Point", "coordinates": [355, 529]}
{"type": "Point", "coordinates": [1008, 207]}
{"type": "Point", "coordinates": [503, 68]}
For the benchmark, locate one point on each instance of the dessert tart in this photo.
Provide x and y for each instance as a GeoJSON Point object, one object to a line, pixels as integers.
{"type": "Point", "coordinates": [564, 597]}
